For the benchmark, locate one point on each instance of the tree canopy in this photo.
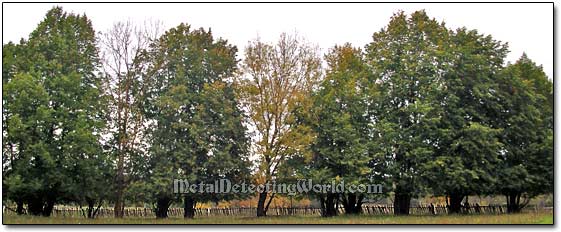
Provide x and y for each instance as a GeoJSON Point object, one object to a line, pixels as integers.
{"type": "Point", "coordinates": [423, 109]}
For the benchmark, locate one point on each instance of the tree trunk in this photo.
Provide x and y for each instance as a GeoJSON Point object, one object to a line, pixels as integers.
{"type": "Point", "coordinates": [35, 207]}
{"type": "Point", "coordinates": [455, 205]}
{"type": "Point", "coordinates": [119, 193]}
{"type": "Point", "coordinates": [189, 207]}
{"type": "Point", "coordinates": [92, 210]}
{"type": "Point", "coordinates": [39, 207]}
{"type": "Point", "coordinates": [352, 204]}
{"type": "Point", "coordinates": [261, 211]}
{"type": "Point", "coordinates": [162, 206]}
{"type": "Point", "coordinates": [48, 209]}
{"type": "Point", "coordinates": [19, 208]}
{"type": "Point", "coordinates": [402, 198]}
{"type": "Point", "coordinates": [118, 209]}
{"type": "Point", "coordinates": [513, 202]}
{"type": "Point", "coordinates": [401, 203]}
{"type": "Point", "coordinates": [328, 205]}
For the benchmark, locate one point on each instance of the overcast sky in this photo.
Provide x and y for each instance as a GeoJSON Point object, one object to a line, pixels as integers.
{"type": "Point", "coordinates": [526, 27]}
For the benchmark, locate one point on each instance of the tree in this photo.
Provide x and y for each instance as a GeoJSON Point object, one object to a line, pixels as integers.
{"type": "Point", "coordinates": [26, 160]}
{"type": "Point", "coordinates": [466, 153]}
{"type": "Point", "coordinates": [91, 170]}
{"type": "Point", "coordinates": [10, 65]}
{"type": "Point", "coordinates": [339, 118]}
{"type": "Point", "coordinates": [275, 79]}
{"type": "Point", "coordinates": [197, 131]}
{"type": "Point", "coordinates": [126, 81]}
{"type": "Point", "coordinates": [526, 96]}
{"type": "Point", "coordinates": [406, 58]}
{"type": "Point", "coordinates": [52, 104]}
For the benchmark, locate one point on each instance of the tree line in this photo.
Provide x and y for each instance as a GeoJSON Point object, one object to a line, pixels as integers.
{"type": "Point", "coordinates": [113, 117]}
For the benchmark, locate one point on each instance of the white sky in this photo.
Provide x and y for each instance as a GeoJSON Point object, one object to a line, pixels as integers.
{"type": "Point", "coordinates": [526, 27]}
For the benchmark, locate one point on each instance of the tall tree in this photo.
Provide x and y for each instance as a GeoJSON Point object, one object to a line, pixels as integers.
{"type": "Point", "coordinates": [275, 79]}
{"type": "Point", "coordinates": [25, 163]}
{"type": "Point", "coordinates": [59, 62]}
{"type": "Point", "coordinates": [91, 168]}
{"type": "Point", "coordinates": [197, 131]}
{"type": "Point", "coordinates": [340, 120]}
{"type": "Point", "coordinates": [467, 147]}
{"type": "Point", "coordinates": [10, 65]}
{"type": "Point", "coordinates": [526, 113]}
{"type": "Point", "coordinates": [125, 66]}
{"type": "Point", "coordinates": [406, 58]}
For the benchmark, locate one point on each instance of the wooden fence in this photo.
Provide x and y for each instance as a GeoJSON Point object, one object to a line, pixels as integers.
{"type": "Point", "coordinates": [274, 211]}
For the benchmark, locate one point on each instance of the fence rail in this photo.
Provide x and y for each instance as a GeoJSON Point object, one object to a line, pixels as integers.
{"type": "Point", "coordinates": [274, 211]}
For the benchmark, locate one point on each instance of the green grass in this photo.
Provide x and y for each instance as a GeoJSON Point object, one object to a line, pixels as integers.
{"type": "Point", "coordinates": [523, 218]}
{"type": "Point", "coordinates": [548, 219]}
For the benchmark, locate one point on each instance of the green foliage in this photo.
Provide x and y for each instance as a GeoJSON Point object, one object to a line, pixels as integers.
{"type": "Point", "coordinates": [423, 109]}
{"type": "Point", "coordinates": [449, 116]}
{"type": "Point", "coordinates": [409, 59]}
{"type": "Point", "coordinates": [198, 133]}
{"type": "Point", "coordinates": [53, 114]}
{"type": "Point", "coordinates": [338, 117]}
{"type": "Point", "coordinates": [467, 150]}
{"type": "Point", "coordinates": [526, 114]}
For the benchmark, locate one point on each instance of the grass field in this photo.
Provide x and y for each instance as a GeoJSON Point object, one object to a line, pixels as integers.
{"type": "Point", "coordinates": [523, 218]}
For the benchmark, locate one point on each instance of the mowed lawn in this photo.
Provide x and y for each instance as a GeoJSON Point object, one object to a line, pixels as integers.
{"type": "Point", "coordinates": [523, 218]}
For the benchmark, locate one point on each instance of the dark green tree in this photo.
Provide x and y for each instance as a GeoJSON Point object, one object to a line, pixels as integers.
{"type": "Point", "coordinates": [198, 133]}
{"type": "Point", "coordinates": [466, 147]}
{"type": "Point", "coordinates": [53, 108]}
{"type": "Point", "coordinates": [26, 161]}
{"type": "Point", "coordinates": [407, 59]}
{"type": "Point", "coordinates": [340, 121]}
{"type": "Point", "coordinates": [526, 113]}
